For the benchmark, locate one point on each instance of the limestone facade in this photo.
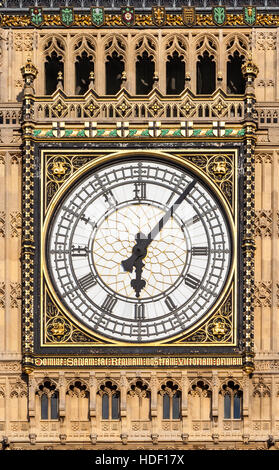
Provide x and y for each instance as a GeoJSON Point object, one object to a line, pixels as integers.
{"type": "Point", "coordinates": [141, 423]}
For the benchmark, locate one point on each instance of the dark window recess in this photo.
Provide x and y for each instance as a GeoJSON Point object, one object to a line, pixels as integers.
{"type": "Point", "coordinates": [115, 405]}
{"type": "Point", "coordinates": [44, 406]}
{"type": "Point", "coordinates": [53, 65]}
{"type": "Point", "coordinates": [54, 406]}
{"type": "Point", "coordinates": [114, 69]}
{"type": "Point", "coordinates": [206, 74]}
{"type": "Point", "coordinates": [84, 65]}
{"type": "Point", "coordinates": [227, 406]}
{"type": "Point", "coordinates": [145, 68]}
{"type": "Point", "coordinates": [176, 405]}
{"type": "Point", "coordinates": [105, 406]}
{"type": "Point", "coordinates": [175, 74]}
{"type": "Point", "coordinates": [166, 406]}
{"type": "Point", "coordinates": [237, 406]}
{"type": "Point", "coordinates": [235, 79]}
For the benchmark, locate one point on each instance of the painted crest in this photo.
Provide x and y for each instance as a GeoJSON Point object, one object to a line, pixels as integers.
{"type": "Point", "coordinates": [36, 16]}
{"type": "Point", "coordinates": [159, 15]}
{"type": "Point", "coordinates": [250, 15]}
{"type": "Point", "coordinates": [189, 16]}
{"type": "Point", "coordinates": [67, 16]}
{"type": "Point", "coordinates": [98, 16]}
{"type": "Point", "coordinates": [128, 16]}
{"type": "Point", "coordinates": [219, 15]}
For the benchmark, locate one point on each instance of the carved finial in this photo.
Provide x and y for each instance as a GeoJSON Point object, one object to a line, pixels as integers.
{"type": "Point", "coordinates": [91, 79]}
{"type": "Point", "coordinates": [29, 70]}
{"type": "Point", "coordinates": [60, 80]}
{"type": "Point", "coordinates": [249, 69]}
{"type": "Point", "coordinates": [29, 73]}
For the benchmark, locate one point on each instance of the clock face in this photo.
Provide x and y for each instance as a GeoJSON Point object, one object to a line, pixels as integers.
{"type": "Point", "coordinates": [139, 250]}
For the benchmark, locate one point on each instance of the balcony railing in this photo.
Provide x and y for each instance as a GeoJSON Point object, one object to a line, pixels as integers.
{"type": "Point", "coordinates": [124, 106]}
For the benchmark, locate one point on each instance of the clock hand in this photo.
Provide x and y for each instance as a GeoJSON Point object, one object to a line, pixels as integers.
{"type": "Point", "coordinates": [138, 284]}
{"type": "Point", "coordinates": [140, 248]}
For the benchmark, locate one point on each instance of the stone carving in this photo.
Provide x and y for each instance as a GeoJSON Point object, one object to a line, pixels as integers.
{"type": "Point", "coordinates": [15, 223]}
{"type": "Point", "coordinates": [263, 158]}
{"type": "Point", "coordinates": [263, 291]}
{"type": "Point", "coordinates": [261, 389]}
{"type": "Point", "coordinates": [2, 224]}
{"type": "Point", "coordinates": [2, 295]}
{"type": "Point", "coordinates": [15, 294]}
{"type": "Point", "coordinates": [23, 41]}
{"type": "Point", "coordinates": [266, 41]}
{"type": "Point", "coordinates": [263, 223]}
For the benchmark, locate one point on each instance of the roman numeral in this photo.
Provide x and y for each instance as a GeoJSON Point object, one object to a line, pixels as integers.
{"type": "Point", "coordinates": [79, 250]}
{"type": "Point", "coordinates": [87, 281]}
{"type": "Point", "coordinates": [192, 221]}
{"type": "Point", "coordinates": [199, 250]}
{"type": "Point", "coordinates": [140, 191]}
{"type": "Point", "coordinates": [192, 281]}
{"type": "Point", "coordinates": [110, 199]}
{"type": "Point", "coordinates": [109, 303]}
{"type": "Point", "coordinates": [139, 311]}
{"type": "Point", "coordinates": [170, 303]}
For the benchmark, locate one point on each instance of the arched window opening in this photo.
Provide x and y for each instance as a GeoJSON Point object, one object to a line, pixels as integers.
{"type": "Point", "coordinates": [53, 66]}
{"type": "Point", "coordinates": [110, 401]}
{"type": "Point", "coordinates": [145, 69]}
{"type": "Point", "coordinates": [83, 66]}
{"type": "Point", "coordinates": [114, 69]}
{"type": "Point", "coordinates": [175, 69]}
{"type": "Point", "coordinates": [232, 399]}
{"type": "Point", "coordinates": [206, 74]}
{"type": "Point", "coordinates": [235, 79]}
{"type": "Point", "coordinates": [171, 400]}
{"type": "Point", "coordinates": [48, 400]}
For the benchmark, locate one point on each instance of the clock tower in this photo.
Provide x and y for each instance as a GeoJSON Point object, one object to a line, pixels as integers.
{"type": "Point", "coordinates": [139, 149]}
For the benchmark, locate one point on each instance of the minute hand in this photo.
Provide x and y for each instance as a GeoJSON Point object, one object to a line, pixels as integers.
{"type": "Point", "coordinates": [157, 229]}
{"type": "Point", "coordinates": [140, 248]}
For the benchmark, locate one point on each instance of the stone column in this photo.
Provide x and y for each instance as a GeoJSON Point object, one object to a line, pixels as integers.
{"type": "Point", "coordinates": [153, 405]}
{"type": "Point", "coordinates": [215, 402]}
{"type": "Point", "coordinates": [123, 407]}
{"type": "Point", "coordinates": [184, 406]}
{"type": "Point", "coordinates": [92, 406]}
{"type": "Point", "coordinates": [245, 410]}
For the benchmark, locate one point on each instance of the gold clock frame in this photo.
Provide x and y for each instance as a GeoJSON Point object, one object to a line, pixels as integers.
{"type": "Point", "coordinates": [218, 327]}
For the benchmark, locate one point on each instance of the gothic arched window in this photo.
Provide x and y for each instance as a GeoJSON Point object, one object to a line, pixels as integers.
{"type": "Point", "coordinates": [53, 66]}
{"type": "Point", "coordinates": [48, 400]}
{"type": "Point", "coordinates": [232, 400]}
{"type": "Point", "coordinates": [235, 79]}
{"type": "Point", "coordinates": [110, 401]}
{"type": "Point", "coordinates": [145, 69]}
{"type": "Point", "coordinates": [206, 74]}
{"type": "Point", "coordinates": [171, 400]}
{"type": "Point", "coordinates": [114, 70]}
{"type": "Point", "coordinates": [84, 65]}
{"type": "Point", "coordinates": [175, 70]}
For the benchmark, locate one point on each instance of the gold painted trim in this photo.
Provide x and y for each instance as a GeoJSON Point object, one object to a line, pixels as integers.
{"type": "Point", "coordinates": [171, 158]}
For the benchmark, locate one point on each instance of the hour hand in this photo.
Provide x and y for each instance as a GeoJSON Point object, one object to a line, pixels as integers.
{"type": "Point", "coordinates": [138, 284]}
{"type": "Point", "coordinates": [139, 251]}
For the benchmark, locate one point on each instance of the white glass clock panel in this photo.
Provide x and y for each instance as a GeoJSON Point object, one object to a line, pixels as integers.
{"type": "Point", "coordinates": [95, 229]}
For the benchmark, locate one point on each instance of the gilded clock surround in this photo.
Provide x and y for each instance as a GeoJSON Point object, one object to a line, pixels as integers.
{"type": "Point", "coordinates": [59, 332]}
